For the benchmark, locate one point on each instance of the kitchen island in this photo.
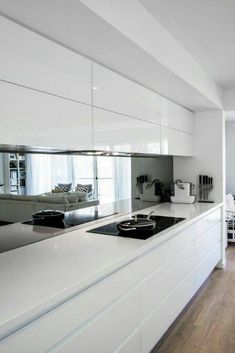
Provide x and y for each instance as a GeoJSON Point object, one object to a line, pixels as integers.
{"type": "Point", "coordinates": [83, 292]}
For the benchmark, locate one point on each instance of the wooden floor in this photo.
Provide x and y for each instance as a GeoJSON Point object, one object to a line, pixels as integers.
{"type": "Point", "coordinates": [208, 325]}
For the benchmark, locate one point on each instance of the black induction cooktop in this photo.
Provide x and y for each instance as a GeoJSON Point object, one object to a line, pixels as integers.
{"type": "Point", "coordinates": [162, 223]}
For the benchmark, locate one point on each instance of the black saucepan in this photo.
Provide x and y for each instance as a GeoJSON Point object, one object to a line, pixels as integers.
{"type": "Point", "coordinates": [137, 224]}
{"type": "Point", "coordinates": [48, 217]}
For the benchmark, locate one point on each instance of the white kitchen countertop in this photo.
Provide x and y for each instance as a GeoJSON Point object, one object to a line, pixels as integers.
{"type": "Point", "coordinates": [40, 276]}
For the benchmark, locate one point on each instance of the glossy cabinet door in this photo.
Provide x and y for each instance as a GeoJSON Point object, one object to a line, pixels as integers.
{"type": "Point", "coordinates": [116, 132]}
{"type": "Point", "coordinates": [154, 327]}
{"type": "Point", "coordinates": [114, 92]}
{"type": "Point", "coordinates": [31, 60]}
{"type": "Point", "coordinates": [176, 117]}
{"type": "Point", "coordinates": [33, 118]}
{"type": "Point", "coordinates": [108, 330]}
{"type": "Point", "coordinates": [177, 143]}
{"type": "Point", "coordinates": [165, 279]}
{"type": "Point", "coordinates": [206, 266]}
{"type": "Point", "coordinates": [132, 344]}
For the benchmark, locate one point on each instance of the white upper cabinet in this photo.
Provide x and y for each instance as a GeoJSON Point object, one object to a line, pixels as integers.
{"type": "Point", "coordinates": [177, 143]}
{"type": "Point", "coordinates": [31, 60]}
{"type": "Point", "coordinates": [116, 132]}
{"type": "Point", "coordinates": [114, 92]}
{"type": "Point", "coordinates": [33, 118]}
{"type": "Point", "coordinates": [176, 117]}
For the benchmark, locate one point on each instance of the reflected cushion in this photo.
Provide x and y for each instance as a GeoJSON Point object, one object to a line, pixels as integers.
{"type": "Point", "coordinates": [65, 187]}
{"type": "Point", "coordinates": [84, 187]}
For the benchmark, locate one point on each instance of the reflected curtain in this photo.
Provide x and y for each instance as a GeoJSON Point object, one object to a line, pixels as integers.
{"type": "Point", "coordinates": [44, 172]}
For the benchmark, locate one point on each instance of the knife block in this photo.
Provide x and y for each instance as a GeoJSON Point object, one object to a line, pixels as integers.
{"type": "Point", "coordinates": [205, 187]}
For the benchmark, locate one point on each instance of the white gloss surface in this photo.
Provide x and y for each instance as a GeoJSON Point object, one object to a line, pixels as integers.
{"type": "Point", "coordinates": [37, 277]}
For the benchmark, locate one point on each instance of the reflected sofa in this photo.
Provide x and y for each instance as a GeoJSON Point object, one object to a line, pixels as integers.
{"type": "Point", "coordinates": [18, 208]}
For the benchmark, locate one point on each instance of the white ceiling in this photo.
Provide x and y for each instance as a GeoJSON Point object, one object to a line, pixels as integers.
{"type": "Point", "coordinates": [206, 29]}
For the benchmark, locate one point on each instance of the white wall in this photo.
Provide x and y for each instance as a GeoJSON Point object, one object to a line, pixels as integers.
{"type": "Point", "coordinates": [1, 172]}
{"type": "Point", "coordinates": [230, 157]}
{"type": "Point", "coordinates": [156, 168]}
{"type": "Point", "coordinates": [229, 99]}
{"type": "Point", "coordinates": [209, 159]}
{"type": "Point", "coordinates": [209, 153]}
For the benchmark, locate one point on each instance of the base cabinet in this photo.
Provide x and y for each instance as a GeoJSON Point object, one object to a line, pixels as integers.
{"type": "Point", "coordinates": [154, 327]}
{"type": "Point", "coordinates": [132, 344]}
{"type": "Point", "coordinates": [108, 331]}
{"type": "Point", "coordinates": [130, 310]}
{"type": "Point", "coordinates": [205, 267]}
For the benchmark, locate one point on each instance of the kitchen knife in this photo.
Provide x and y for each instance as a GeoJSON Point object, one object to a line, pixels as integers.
{"type": "Point", "coordinates": [200, 187]}
{"type": "Point", "coordinates": [204, 187]}
{"type": "Point", "coordinates": [207, 182]}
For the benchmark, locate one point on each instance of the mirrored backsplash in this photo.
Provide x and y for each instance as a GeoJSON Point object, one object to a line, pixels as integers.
{"type": "Point", "coordinates": [33, 182]}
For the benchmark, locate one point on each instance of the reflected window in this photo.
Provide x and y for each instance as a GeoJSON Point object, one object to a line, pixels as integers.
{"type": "Point", "coordinates": [109, 178]}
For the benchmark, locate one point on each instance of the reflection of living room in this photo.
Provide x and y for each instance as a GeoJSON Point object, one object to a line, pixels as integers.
{"type": "Point", "coordinates": [31, 182]}
{"type": "Point", "coordinates": [34, 182]}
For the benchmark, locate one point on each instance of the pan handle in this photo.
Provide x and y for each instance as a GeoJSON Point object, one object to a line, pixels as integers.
{"type": "Point", "coordinates": [150, 214]}
{"type": "Point", "coordinates": [126, 229]}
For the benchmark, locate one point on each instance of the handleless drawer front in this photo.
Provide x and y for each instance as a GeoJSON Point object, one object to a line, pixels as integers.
{"type": "Point", "coordinates": [114, 92]}
{"type": "Point", "coordinates": [31, 60]}
{"type": "Point", "coordinates": [208, 222]}
{"type": "Point", "coordinates": [207, 241]}
{"type": "Point", "coordinates": [158, 286]}
{"type": "Point", "coordinates": [206, 266]}
{"type": "Point", "coordinates": [71, 316]}
{"type": "Point", "coordinates": [178, 143]}
{"type": "Point", "coordinates": [154, 327]}
{"type": "Point", "coordinates": [155, 259]}
{"type": "Point", "coordinates": [115, 132]}
{"type": "Point", "coordinates": [108, 331]}
{"type": "Point", "coordinates": [43, 120]}
{"type": "Point", "coordinates": [132, 344]}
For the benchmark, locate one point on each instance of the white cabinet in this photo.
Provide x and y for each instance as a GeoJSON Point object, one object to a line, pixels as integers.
{"type": "Point", "coordinates": [132, 344]}
{"type": "Point", "coordinates": [31, 60]}
{"type": "Point", "coordinates": [114, 92]}
{"type": "Point", "coordinates": [176, 117]}
{"type": "Point", "coordinates": [208, 263]}
{"type": "Point", "coordinates": [116, 132]}
{"type": "Point", "coordinates": [108, 331]}
{"type": "Point", "coordinates": [130, 310]}
{"type": "Point", "coordinates": [32, 118]}
{"type": "Point", "coordinates": [169, 289]}
{"type": "Point", "coordinates": [207, 241]}
{"type": "Point", "coordinates": [177, 143]}
{"type": "Point", "coordinates": [154, 327]}
{"type": "Point", "coordinates": [208, 222]}
{"type": "Point", "coordinates": [157, 287]}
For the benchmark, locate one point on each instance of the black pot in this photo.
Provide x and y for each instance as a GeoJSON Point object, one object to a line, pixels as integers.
{"type": "Point", "coordinates": [48, 217]}
{"type": "Point", "coordinates": [136, 225]}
